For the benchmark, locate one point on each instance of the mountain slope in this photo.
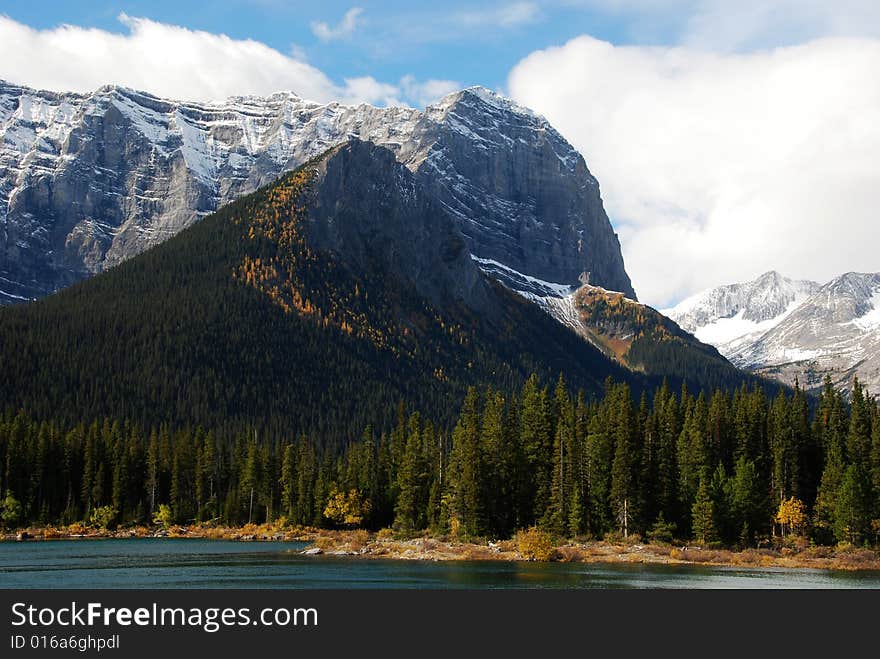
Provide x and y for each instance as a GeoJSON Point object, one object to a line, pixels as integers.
{"type": "Point", "coordinates": [641, 338]}
{"type": "Point", "coordinates": [336, 291]}
{"type": "Point", "coordinates": [89, 180]}
{"type": "Point", "coordinates": [789, 329]}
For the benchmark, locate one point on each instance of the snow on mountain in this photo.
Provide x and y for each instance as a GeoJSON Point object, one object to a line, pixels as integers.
{"type": "Point", "coordinates": [88, 180]}
{"type": "Point", "coordinates": [793, 329]}
{"type": "Point", "coordinates": [724, 314]}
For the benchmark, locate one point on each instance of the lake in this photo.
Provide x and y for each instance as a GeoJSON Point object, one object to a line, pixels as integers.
{"type": "Point", "coordinates": [192, 563]}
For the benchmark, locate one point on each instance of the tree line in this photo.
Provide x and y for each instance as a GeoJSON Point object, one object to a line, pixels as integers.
{"type": "Point", "coordinates": [728, 468]}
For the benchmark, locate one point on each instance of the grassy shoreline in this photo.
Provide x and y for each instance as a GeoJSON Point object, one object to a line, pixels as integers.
{"type": "Point", "coordinates": [383, 545]}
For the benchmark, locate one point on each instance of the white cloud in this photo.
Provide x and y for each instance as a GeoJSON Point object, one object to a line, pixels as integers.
{"type": "Point", "coordinates": [722, 25]}
{"type": "Point", "coordinates": [509, 15]}
{"type": "Point", "coordinates": [345, 27]}
{"type": "Point", "coordinates": [176, 62]}
{"type": "Point", "coordinates": [725, 26]}
{"type": "Point", "coordinates": [715, 168]}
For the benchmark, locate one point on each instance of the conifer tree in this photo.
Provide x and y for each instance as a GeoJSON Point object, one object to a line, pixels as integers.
{"type": "Point", "coordinates": [622, 469]}
{"type": "Point", "coordinates": [749, 509]}
{"type": "Point", "coordinates": [555, 517]}
{"type": "Point", "coordinates": [600, 453]}
{"type": "Point", "coordinates": [875, 457]}
{"type": "Point", "coordinates": [703, 512]}
{"type": "Point", "coordinates": [467, 469]}
{"type": "Point", "coordinates": [499, 457]}
{"type": "Point", "coordinates": [666, 407]}
{"type": "Point", "coordinates": [536, 442]}
{"type": "Point", "coordinates": [288, 481]}
{"type": "Point", "coordinates": [858, 441]}
{"type": "Point", "coordinates": [852, 511]}
{"type": "Point", "coordinates": [412, 481]}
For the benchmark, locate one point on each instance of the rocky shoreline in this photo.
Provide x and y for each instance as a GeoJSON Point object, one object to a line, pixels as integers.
{"type": "Point", "coordinates": [384, 545]}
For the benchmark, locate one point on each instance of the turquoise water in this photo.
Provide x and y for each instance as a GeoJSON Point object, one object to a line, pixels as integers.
{"type": "Point", "coordinates": [179, 563]}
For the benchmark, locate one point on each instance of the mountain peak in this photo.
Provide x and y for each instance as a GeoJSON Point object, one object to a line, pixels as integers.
{"type": "Point", "coordinates": [88, 181]}
{"type": "Point", "coordinates": [493, 99]}
{"type": "Point", "coordinates": [771, 276]}
{"type": "Point", "coordinates": [757, 301]}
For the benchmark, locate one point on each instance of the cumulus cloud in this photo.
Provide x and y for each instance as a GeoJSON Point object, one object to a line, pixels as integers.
{"type": "Point", "coordinates": [174, 62]}
{"type": "Point", "coordinates": [509, 15]}
{"type": "Point", "coordinates": [724, 26]}
{"type": "Point", "coordinates": [345, 27]}
{"type": "Point", "coordinates": [717, 167]}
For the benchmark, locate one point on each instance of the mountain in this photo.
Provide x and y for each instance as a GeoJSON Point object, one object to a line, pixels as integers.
{"type": "Point", "coordinates": [793, 329]}
{"type": "Point", "coordinates": [309, 306]}
{"type": "Point", "coordinates": [640, 338]}
{"type": "Point", "coordinates": [90, 180]}
{"type": "Point", "coordinates": [733, 315]}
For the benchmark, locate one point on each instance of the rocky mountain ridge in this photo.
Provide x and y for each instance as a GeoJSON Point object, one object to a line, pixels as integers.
{"type": "Point", "coordinates": [89, 180]}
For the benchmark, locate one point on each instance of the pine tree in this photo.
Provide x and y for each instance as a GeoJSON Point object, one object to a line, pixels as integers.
{"type": "Point", "coordinates": [832, 475]}
{"type": "Point", "coordinates": [499, 458]}
{"type": "Point", "coordinates": [288, 481]}
{"type": "Point", "coordinates": [622, 469]}
{"type": "Point", "coordinates": [649, 503]}
{"type": "Point", "coordinates": [537, 447]}
{"type": "Point", "coordinates": [691, 453]}
{"type": "Point", "coordinates": [467, 469]}
{"type": "Point", "coordinates": [555, 517]}
{"type": "Point", "coordinates": [412, 481]}
{"type": "Point", "coordinates": [578, 510]}
{"type": "Point", "coordinates": [667, 488]}
{"type": "Point", "coordinates": [749, 509]}
{"type": "Point", "coordinates": [858, 441]}
{"type": "Point", "coordinates": [703, 513]}
{"type": "Point", "coordinates": [305, 483]}
{"type": "Point", "coordinates": [90, 459]}
{"type": "Point", "coordinates": [852, 511]}
{"type": "Point", "coordinates": [784, 449]}
{"type": "Point", "coordinates": [875, 457]}
{"type": "Point", "coordinates": [600, 453]}
{"type": "Point", "coordinates": [207, 477]}
{"type": "Point", "coordinates": [250, 479]}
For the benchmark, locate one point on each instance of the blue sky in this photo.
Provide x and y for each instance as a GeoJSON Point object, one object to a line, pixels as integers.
{"type": "Point", "coordinates": [464, 41]}
{"type": "Point", "coordinates": [729, 138]}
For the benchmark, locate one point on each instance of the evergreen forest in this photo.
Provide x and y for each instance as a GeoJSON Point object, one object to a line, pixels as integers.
{"type": "Point", "coordinates": [724, 469]}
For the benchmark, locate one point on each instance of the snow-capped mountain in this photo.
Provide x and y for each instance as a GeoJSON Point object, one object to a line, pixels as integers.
{"type": "Point", "coordinates": [736, 314]}
{"type": "Point", "coordinates": [89, 180]}
{"type": "Point", "coordinates": [793, 329]}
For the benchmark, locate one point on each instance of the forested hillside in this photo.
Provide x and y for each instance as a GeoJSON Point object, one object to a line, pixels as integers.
{"type": "Point", "coordinates": [265, 315]}
{"type": "Point", "coordinates": [644, 340]}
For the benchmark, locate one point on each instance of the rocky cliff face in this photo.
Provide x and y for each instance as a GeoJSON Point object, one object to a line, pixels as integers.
{"type": "Point", "coordinates": [87, 181]}
{"type": "Point", "coordinates": [369, 210]}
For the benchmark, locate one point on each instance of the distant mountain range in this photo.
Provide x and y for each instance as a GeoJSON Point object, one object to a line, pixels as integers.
{"type": "Point", "coordinates": [789, 329]}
